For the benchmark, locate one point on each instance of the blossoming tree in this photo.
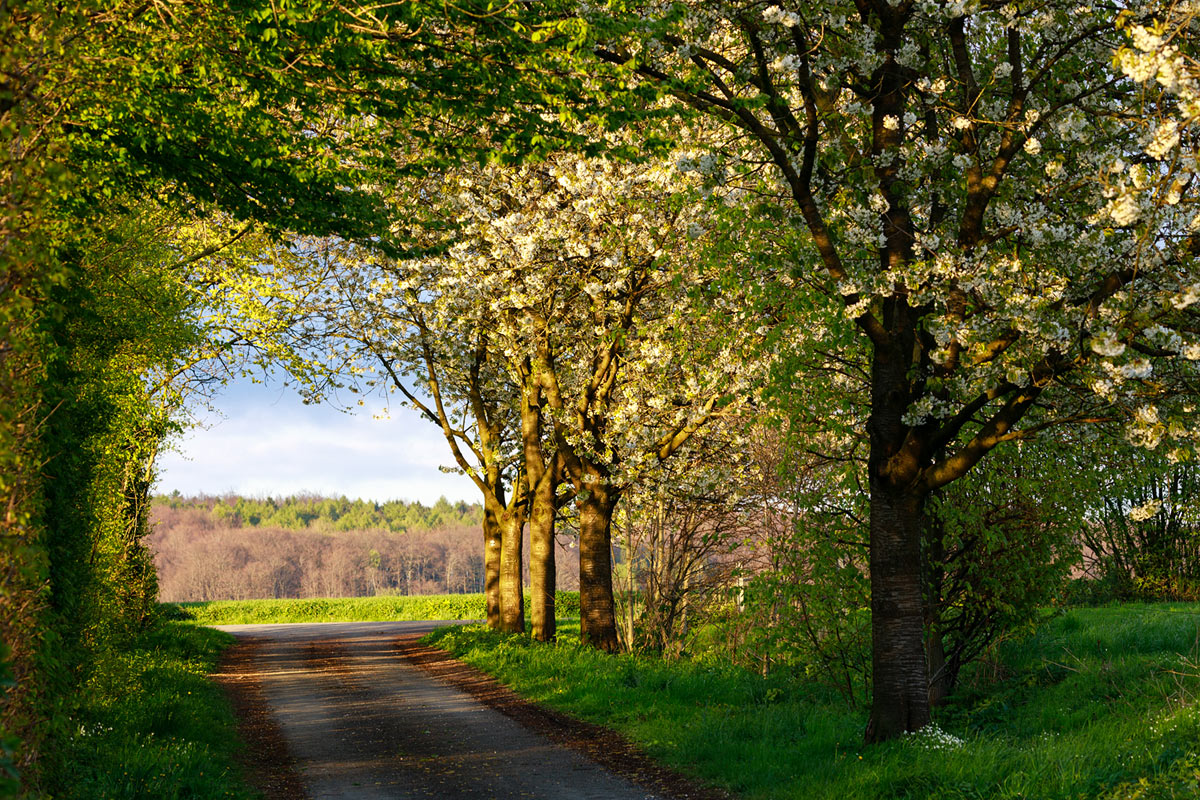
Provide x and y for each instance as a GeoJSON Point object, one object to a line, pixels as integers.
{"type": "Point", "coordinates": [584, 274]}
{"type": "Point", "coordinates": [962, 173]}
{"type": "Point", "coordinates": [389, 324]}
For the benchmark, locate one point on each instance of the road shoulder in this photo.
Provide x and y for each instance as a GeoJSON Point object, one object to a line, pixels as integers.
{"type": "Point", "coordinates": [602, 745]}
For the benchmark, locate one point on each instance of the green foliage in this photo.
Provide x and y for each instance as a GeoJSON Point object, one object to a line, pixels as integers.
{"type": "Point", "coordinates": [119, 121]}
{"type": "Point", "coordinates": [1098, 703]}
{"type": "Point", "coordinates": [1142, 523]}
{"type": "Point", "coordinates": [148, 723]}
{"type": "Point", "coordinates": [351, 609]}
{"type": "Point", "coordinates": [128, 319]}
{"type": "Point", "coordinates": [805, 608]}
{"type": "Point", "coordinates": [998, 544]}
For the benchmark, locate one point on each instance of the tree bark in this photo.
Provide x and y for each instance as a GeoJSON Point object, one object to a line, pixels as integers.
{"type": "Point", "coordinates": [542, 576]}
{"type": "Point", "coordinates": [512, 594]}
{"type": "Point", "coordinates": [543, 482]}
{"type": "Point", "coordinates": [491, 566]}
{"type": "Point", "coordinates": [597, 622]}
{"type": "Point", "coordinates": [900, 684]}
{"type": "Point", "coordinates": [939, 670]}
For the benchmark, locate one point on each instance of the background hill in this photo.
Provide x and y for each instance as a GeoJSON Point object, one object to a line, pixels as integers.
{"type": "Point", "coordinates": [238, 548]}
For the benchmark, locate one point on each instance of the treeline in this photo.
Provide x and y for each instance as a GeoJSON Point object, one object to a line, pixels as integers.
{"type": "Point", "coordinates": [323, 514]}
{"type": "Point", "coordinates": [238, 548]}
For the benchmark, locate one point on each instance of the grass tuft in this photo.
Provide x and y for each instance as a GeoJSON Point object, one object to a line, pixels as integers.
{"type": "Point", "coordinates": [150, 724]}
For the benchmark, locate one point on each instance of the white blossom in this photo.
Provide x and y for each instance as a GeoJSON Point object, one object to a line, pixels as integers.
{"type": "Point", "coordinates": [1123, 210]}
{"type": "Point", "coordinates": [1166, 136]}
{"type": "Point", "coordinates": [775, 15]}
{"type": "Point", "coordinates": [1107, 344]}
{"type": "Point", "coordinates": [1145, 511]}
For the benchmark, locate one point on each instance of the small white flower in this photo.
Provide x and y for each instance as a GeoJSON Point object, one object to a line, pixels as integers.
{"type": "Point", "coordinates": [961, 123]}
{"type": "Point", "coordinates": [891, 122]}
{"type": "Point", "coordinates": [1018, 376]}
{"type": "Point", "coordinates": [1146, 41]}
{"type": "Point", "coordinates": [1165, 138]}
{"type": "Point", "coordinates": [1033, 146]}
{"type": "Point", "coordinates": [931, 737]}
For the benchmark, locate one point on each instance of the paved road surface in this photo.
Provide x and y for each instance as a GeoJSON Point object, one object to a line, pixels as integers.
{"type": "Point", "coordinates": [362, 723]}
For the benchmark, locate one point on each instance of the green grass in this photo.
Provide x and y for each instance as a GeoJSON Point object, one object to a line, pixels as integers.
{"type": "Point", "coordinates": [350, 609]}
{"type": "Point", "coordinates": [1098, 703]}
{"type": "Point", "coordinates": [150, 724]}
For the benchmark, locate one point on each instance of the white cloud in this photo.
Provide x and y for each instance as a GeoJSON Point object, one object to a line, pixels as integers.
{"type": "Point", "coordinates": [269, 443]}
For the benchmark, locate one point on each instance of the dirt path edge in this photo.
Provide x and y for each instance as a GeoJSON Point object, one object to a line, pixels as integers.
{"type": "Point", "coordinates": [602, 745]}
{"type": "Point", "coordinates": [265, 760]}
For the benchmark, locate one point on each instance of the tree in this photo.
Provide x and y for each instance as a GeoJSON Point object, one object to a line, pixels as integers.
{"type": "Point", "coordinates": [947, 165]}
{"type": "Point", "coordinates": [380, 321]}
{"type": "Point", "coordinates": [585, 271]}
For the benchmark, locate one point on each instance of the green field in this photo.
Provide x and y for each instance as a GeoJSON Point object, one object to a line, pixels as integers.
{"type": "Point", "coordinates": [350, 609]}
{"type": "Point", "coordinates": [1099, 703]}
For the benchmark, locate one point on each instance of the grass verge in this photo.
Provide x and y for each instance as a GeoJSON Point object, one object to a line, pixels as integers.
{"type": "Point", "coordinates": [1098, 703]}
{"type": "Point", "coordinates": [350, 609]}
{"type": "Point", "coordinates": [150, 725]}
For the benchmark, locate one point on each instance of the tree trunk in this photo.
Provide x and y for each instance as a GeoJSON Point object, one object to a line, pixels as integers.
{"type": "Point", "coordinates": [631, 588]}
{"type": "Point", "coordinates": [542, 577]}
{"type": "Point", "coordinates": [491, 567]}
{"type": "Point", "coordinates": [597, 622]}
{"type": "Point", "coordinates": [543, 482]}
{"type": "Point", "coordinates": [512, 594]}
{"type": "Point", "coordinates": [900, 684]}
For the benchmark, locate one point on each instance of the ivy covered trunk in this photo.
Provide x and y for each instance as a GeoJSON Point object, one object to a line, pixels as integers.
{"type": "Point", "coordinates": [512, 595]}
{"type": "Point", "coordinates": [597, 623]}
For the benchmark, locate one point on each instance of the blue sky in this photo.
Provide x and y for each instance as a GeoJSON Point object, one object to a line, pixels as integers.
{"type": "Point", "coordinates": [265, 441]}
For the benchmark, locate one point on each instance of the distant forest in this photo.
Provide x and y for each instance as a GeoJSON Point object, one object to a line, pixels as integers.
{"type": "Point", "coordinates": [235, 548]}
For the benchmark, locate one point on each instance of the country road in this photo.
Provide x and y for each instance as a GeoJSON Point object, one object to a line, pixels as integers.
{"type": "Point", "coordinates": [360, 720]}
